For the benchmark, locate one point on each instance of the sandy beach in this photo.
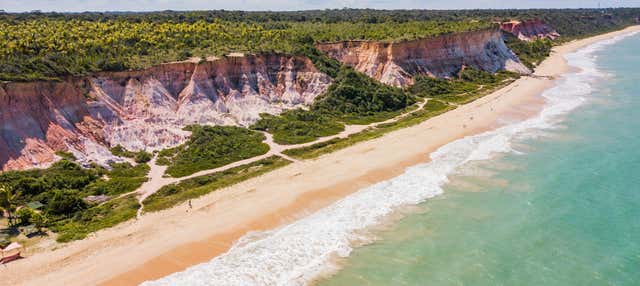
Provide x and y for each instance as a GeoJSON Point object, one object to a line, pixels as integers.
{"type": "Point", "coordinates": [162, 243]}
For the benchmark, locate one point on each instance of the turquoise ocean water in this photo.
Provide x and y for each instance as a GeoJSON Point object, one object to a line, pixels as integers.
{"type": "Point", "coordinates": [561, 208]}
{"type": "Point", "coordinates": [553, 200]}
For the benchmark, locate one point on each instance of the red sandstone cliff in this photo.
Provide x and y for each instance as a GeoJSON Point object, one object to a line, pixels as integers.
{"type": "Point", "coordinates": [38, 119]}
{"type": "Point", "coordinates": [146, 109]}
{"type": "Point", "coordinates": [530, 30]}
{"type": "Point", "coordinates": [396, 63]}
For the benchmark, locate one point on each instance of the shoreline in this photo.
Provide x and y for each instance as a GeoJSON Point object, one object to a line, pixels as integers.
{"type": "Point", "coordinates": [141, 250]}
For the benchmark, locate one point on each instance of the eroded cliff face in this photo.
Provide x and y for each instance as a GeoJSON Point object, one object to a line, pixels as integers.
{"type": "Point", "coordinates": [530, 30]}
{"type": "Point", "coordinates": [146, 109]}
{"type": "Point", "coordinates": [37, 119]}
{"type": "Point", "coordinates": [443, 56]}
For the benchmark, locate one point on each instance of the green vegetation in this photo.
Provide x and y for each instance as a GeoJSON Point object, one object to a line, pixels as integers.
{"type": "Point", "coordinates": [8, 201]}
{"type": "Point", "coordinates": [49, 46]}
{"type": "Point", "coordinates": [37, 46]}
{"type": "Point", "coordinates": [211, 147]}
{"type": "Point", "coordinates": [66, 155]}
{"type": "Point", "coordinates": [142, 157]}
{"type": "Point", "coordinates": [470, 85]}
{"type": "Point", "coordinates": [118, 150]}
{"type": "Point", "coordinates": [425, 86]}
{"type": "Point", "coordinates": [63, 190]}
{"type": "Point", "coordinates": [139, 157]}
{"type": "Point", "coordinates": [298, 126]}
{"type": "Point", "coordinates": [431, 109]}
{"type": "Point", "coordinates": [443, 95]}
{"type": "Point", "coordinates": [321, 61]}
{"type": "Point", "coordinates": [96, 218]}
{"type": "Point", "coordinates": [353, 98]}
{"type": "Point", "coordinates": [123, 178]}
{"type": "Point", "coordinates": [174, 194]}
{"type": "Point", "coordinates": [358, 99]}
{"type": "Point", "coordinates": [530, 53]}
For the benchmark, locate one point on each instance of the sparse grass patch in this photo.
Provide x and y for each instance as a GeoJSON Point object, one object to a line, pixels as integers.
{"type": "Point", "coordinates": [95, 218]}
{"type": "Point", "coordinates": [174, 194]}
{"type": "Point", "coordinates": [66, 155]}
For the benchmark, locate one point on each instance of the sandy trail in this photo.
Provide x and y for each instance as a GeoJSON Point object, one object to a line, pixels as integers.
{"type": "Point", "coordinates": [161, 243]}
{"type": "Point", "coordinates": [157, 178]}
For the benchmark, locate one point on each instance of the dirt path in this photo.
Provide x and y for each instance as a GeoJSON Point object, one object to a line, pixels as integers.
{"type": "Point", "coordinates": [157, 179]}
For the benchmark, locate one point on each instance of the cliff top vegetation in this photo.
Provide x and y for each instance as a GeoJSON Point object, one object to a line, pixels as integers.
{"type": "Point", "coordinates": [46, 48]}
{"type": "Point", "coordinates": [42, 46]}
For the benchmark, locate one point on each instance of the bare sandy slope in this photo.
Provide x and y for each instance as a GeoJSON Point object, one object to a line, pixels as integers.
{"type": "Point", "coordinates": [162, 243]}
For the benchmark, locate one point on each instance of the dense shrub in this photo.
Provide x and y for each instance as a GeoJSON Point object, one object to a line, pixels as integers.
{"type": "Point", "coordinates": [118, 150]}
{"type": "Point", "coordinates": [142, 157]}
{"type": "Point", "coordinates": [62, 188]}
{"type": "Point", "coordinates": [425, 86]}
{"type": "Point", "coordinates": [355, 94]}
{"type": "Point", "coordinates": [213, 146]}
{"type": "Point", "coordinates": [138, 157]}
{"type": "Point", "coordinates": [353, 98]}
{"type": "Point", "coordinates": [65, 202]}
{"type": "Point", "coordinates": [298, 126]}
{"type": "Point", "coordinates": [98, 217]}
{"type": "Point", "coordinates": [530, 53]}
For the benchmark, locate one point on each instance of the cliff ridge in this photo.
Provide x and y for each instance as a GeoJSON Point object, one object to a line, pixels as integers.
{"type": "Point", "coordinates": [530, 30]}
{"type": "Point", "coordinates": [148, 109]}
{"type": "Point", "coordinates": [396, 63]}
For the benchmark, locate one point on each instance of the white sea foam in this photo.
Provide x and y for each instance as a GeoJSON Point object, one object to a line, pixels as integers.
{"type": "Point", "coordinates": [295, 254]}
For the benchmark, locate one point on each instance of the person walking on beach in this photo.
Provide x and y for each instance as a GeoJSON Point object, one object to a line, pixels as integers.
{"type": "Point", "coordinates": [190, 206]}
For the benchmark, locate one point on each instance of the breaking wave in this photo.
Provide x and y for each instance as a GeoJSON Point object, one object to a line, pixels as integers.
{"type": "Point", "coordinates": [297, 253]}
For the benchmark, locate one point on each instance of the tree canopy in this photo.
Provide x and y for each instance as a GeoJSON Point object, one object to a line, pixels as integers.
{"type": "Point", "coordinates": [37, 46]}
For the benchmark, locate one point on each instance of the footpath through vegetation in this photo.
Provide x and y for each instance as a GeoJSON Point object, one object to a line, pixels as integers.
{"type": "Point", "coordinates": [76, 201]}
{"type": "Point", "coordinates": [72, 201]}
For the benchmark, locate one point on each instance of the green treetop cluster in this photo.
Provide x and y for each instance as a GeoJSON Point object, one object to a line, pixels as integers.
{"type": "Point", "coordinates": [49, 48]}
{"type": "Point", "coordinates": [41, 46]}
{"type": "Point", "coordinates": [62, 194]}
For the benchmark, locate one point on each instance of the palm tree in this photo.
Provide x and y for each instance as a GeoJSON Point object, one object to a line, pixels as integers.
{"type": "Point", "coordinates": [7, 201]}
